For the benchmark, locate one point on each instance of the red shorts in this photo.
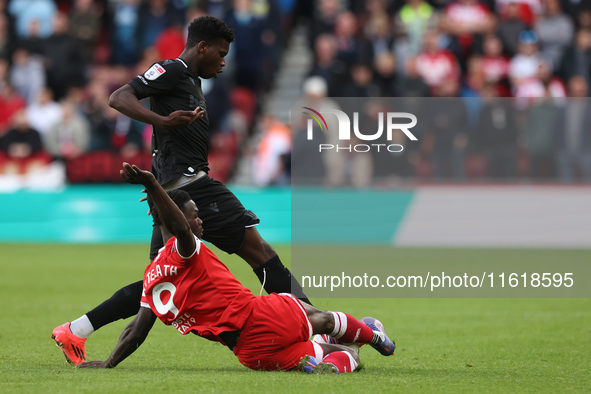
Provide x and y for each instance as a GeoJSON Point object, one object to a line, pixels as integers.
{"type": "Point", "coordinates": [276, 335]}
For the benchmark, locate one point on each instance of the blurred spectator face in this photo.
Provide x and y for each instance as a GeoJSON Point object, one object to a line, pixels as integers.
{"type": "Point", "coordinates": [430, 41]}
{"type": "Point", "coordinates": [326, 48]}
{"type": "Point", "coordinates": [552, 7]}
{"type": "Point", "coordinates": [34, 28]}
{"type": "Point", "coordinates": [545, 72]}
{"type": "Point", "coordinates": [476, 81]}
{"type": "Point", "coordinates": [528, 42]}
{"type": "Point", "coordinates": [68, 110]}
{"type": "Point", "coordinates": [414, 3]}
{"type": "Point", "coordinates": [20, 56]}
{"type": "Point", "coordinates": [583, 39]}
{"type": "Point", "coordinates": [374, 7]}
{"type": "Point", "coordinates": [242, 6]}
{"type": "Point", "coordinates": [3, 24]}
{"type": "Point", "coordinates": [45, 96]}
{"type": "Point", "coordinates": [97, 90]}
{"type": "Point", "coordinates": [448, 88]}
{"type": "Point", "coordinates": [410, 68]}
{"type": "Point", "coordinates": [474, 64]}
{"type": "Point", "coordinates": [346, 25]}
{"type": "Point", "coordinates": [75, 95]}
{"type": "Point", "coordinates": [19, 121]}
{"type": "Point", "coordinates": [577, 86]}
{"type": "Point", "coordinates": [328, 9]}
{"type": "Point", "coordinates": [60, 23]}
{"type": "Point", "coordinates": [528, 49]}
{"type": "Point", "coordinates": [192, 14]}
{"type": "Point", "coordinates": [83, 5]}
{"type": "Point", "coordinates": [492, 46]}
{"type": "Point", "coordinates": [386, 64]}
{"type": "Point", "coordinates": [512, 10]}
{"type": "Point", "coordinates": [475, 78]}
{"type": "Point", "coordinates": [584, 19]}
{"type": "Point", "coordinates": [361, 75]}
{"type": "Point", "coordinates": [4, 67]}
{"type": "Point", "coordinates": [489, 91]}
{"type": "Point", "coordinates": [157, 4]}
{"type": "Point", "coordinates": [378, 26]}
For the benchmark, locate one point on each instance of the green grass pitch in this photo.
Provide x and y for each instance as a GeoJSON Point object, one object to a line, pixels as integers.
{"type": "Point", "coordinates": [444, 345]}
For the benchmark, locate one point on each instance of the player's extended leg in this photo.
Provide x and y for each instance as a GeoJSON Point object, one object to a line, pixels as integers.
{"type": "Point", "coordinates": [347, 329]}
{"type": "Point", "coordinates": [123, 304]}
{"type": "Point", "coordinates": [267, 265]}
{"type": "Point", "coordinates": [70, 337]}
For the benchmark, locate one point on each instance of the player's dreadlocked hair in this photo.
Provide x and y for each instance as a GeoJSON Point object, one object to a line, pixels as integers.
{"type": "Point", "coordinates": [208, 29]}
{"type": "Point", "coordinates": [179, 197]}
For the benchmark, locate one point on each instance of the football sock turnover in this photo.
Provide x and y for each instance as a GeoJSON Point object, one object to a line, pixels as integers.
{"type": "Point", "coordinates": [347, 329]}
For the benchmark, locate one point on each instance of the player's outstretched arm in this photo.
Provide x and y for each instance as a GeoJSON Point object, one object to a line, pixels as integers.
{"type": "Point", "coordinates": [170, 215]}
{"type": "Point", "coordinates": [126, 101]}
{"type": "Point", "coordinates": [132, 337]}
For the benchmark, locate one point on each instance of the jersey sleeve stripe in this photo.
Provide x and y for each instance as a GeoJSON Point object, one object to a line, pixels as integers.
{"type": "Point", "coordinates": [197, 248]}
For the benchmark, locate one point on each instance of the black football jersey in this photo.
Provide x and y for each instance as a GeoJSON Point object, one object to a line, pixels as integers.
{"type": "Point", "coordinates": [172, 86]}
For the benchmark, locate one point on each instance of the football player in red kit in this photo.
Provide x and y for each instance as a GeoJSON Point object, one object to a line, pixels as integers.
{"type": "Point", "coordinates": [188, 287]}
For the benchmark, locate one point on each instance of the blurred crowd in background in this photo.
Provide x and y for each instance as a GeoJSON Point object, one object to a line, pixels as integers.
{"type": "Point", "coordinates": [60, 60]}
{"type": "Point", "coordinates": [534, 54]}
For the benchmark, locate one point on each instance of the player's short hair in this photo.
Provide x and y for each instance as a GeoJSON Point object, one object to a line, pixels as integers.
{"type": "Point", "coordinates": [209, 29]}
{"type": "Point", "coordinates": [179, 197]}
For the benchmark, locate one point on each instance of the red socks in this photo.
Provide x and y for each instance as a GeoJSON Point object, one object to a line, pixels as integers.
{"type": "Point", "coordinates": [347, 329]}
{"type": "Point", "coordinates": [342, 360]}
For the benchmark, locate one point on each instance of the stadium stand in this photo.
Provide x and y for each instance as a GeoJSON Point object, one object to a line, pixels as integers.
{"type": "Point", "coordinates": [535, 52]}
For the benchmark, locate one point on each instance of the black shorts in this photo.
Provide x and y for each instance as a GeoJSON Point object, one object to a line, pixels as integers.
{"type": "Point", "coordinates": [224, 217]}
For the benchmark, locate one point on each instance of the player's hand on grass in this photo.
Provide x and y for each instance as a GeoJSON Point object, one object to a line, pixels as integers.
{"type": "Point", "coordinates": [94, 364]}
{"type": "Point", "coordinates": [133, 174]}
{"type": "Point", "coordinates": [182, 118]}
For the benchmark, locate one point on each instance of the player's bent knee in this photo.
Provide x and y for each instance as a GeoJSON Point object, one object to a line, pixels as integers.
{"type": "Point", "coordinates": [322, 321]}
{"type": "Point", "coordinates": [330, 348]}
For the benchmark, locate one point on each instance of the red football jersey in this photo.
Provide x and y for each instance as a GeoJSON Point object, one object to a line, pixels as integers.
{"type": "Point", "coordinates": [437, 67]}
{"type": "Point", "coordinates": [195, 294]}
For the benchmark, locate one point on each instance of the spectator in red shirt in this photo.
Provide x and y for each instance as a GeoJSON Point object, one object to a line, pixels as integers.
{"type": "Point", "coordinates": [463, 20]}
{"type": "Point", "coordinates": [10, 103]}
{"type": "Point", "coordinates": [171, 42]}
{"type": "Point", "coordinates": [436, 65]}
{"type": "Point", "coordinates": [495, 65]}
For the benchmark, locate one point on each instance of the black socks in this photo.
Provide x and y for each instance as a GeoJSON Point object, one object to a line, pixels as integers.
{"type": "Point", "coordinates": [279, 279]}
{"type": "Point", "coordinates": [123, 304]}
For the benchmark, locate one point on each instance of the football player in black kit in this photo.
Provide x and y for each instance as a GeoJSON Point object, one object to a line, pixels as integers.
{"type": "Point", "coordinates": [178, 115]}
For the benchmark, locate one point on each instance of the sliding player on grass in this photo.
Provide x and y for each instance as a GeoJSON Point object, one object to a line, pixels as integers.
{"type": "Point", "coordinates": [188, 287]}
{"type": "Point", "coordinates": [180, 142]}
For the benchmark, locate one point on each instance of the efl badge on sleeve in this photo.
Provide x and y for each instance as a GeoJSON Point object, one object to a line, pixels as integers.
{"type": "Point", "coordinates": [154, 72]}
